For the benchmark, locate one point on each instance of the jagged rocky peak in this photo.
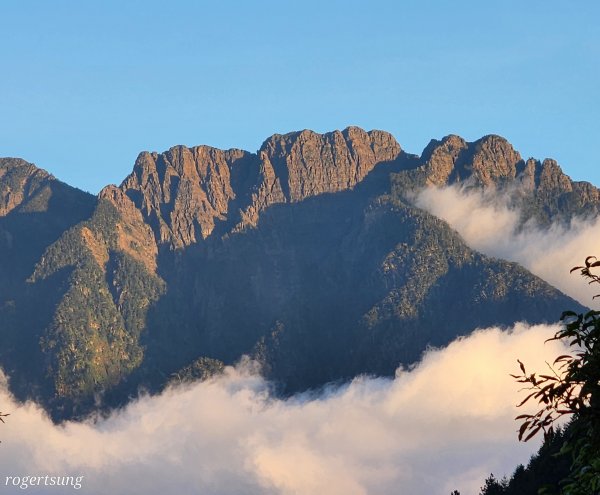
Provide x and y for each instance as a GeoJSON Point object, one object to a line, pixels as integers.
{"type": "Point", "coordinates": [309, 163]}
{"type": "Point", "coordinates": [19, 182]}
{"type": "Point", "coordinates": [492, 162]}
{"type": "Point", "coordinates": [548, 178]}
{"type": "Point", "coordinates": [494, 158]}
{"type": "Point", "coordinates": [440, 158]}
{"type": "Point", "coordinates": [183, 191]}
{"type": "Point", "coordinates": [553, 179]}
{"type": "Point", "coordinates": [485, 161]}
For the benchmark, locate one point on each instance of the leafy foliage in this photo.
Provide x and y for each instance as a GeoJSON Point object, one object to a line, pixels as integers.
{"type": "Point", "coordinates": [571, 389]}
{"type": "Point", "coordinates": [586, 271]}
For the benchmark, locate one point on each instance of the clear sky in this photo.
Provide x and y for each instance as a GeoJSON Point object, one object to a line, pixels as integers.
{"type": "Point", "coordinates": [86, 86]}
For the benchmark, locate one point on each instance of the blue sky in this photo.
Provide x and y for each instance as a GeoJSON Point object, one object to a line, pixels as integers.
{"type": "Point", "coordinates": [86, 86]}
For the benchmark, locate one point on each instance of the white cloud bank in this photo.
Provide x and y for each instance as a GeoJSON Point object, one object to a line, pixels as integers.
{"type": "Point", "coordinates": [488, 224]}
{"type": "Point", "coordinates": [444, 425]}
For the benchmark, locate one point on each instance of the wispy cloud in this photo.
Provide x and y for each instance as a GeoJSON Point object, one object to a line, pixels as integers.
{"type": "Point", "coordinates": [487, 223]}
{"type": "Point", "coordinates": [443, 425]}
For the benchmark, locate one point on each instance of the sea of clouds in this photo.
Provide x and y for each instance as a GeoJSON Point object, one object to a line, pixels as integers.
{"type": "Point", "coordinates": [487, 223]}
{"type": "Point", "coordinates": [445, 424]}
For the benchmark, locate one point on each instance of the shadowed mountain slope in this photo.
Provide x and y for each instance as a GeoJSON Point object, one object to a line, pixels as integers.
{"type": "Point", "coordinates": [305, 255]}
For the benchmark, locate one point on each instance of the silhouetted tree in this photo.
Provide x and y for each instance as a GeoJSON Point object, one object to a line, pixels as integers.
{"type": "Point", "coordinates": [493, 486]}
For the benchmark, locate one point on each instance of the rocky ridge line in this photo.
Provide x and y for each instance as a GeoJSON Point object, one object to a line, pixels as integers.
{"type": "Point", "coordinates": [184, 193]}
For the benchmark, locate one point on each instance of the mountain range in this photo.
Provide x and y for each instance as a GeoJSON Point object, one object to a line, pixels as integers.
{"type": "Point", "coordinates": [309, 256]}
